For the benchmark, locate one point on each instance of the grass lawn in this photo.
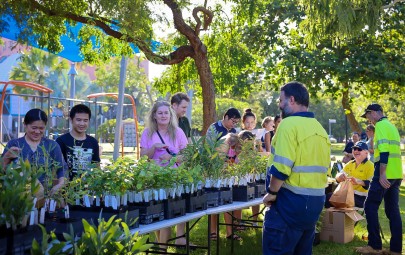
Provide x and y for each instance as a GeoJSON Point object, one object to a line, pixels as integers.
{"type": "Point", "coordinates": [251, 243]}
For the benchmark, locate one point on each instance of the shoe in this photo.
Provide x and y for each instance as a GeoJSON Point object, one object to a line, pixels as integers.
{"type": "Point", "coordinates": [234, 237]}
{"type": "Point", "coordinates": [182, 244]}
{"type": "Point", "coordinates": [368, 250]}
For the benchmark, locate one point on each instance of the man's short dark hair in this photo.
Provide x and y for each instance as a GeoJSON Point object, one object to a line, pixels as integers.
{"type": "Point", "coordinates": [232, 113]}
{"type": "Point", "coordinates": [298, 91]}
{"type": "Point", "coordinates": [79, 108]}
{"type": "Point", "coordinates": [178, 97]}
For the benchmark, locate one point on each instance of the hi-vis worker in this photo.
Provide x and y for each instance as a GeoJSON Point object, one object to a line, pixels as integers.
{"type": "Point", "coordinates": [385, 183]}
{"type": "Point", "coordinates": [296, 176]}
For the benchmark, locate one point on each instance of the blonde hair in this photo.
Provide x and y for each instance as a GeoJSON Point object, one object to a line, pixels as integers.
{"type": "Point", "coordinates": [152, 125]}
{"type": "Point", "coordinates": [266, 121]}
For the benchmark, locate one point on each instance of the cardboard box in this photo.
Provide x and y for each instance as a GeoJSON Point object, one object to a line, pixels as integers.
{"type": "Point", "coordinates": [338, 225]}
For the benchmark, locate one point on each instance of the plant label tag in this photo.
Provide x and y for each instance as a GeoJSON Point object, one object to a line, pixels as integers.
{"type": "Point", "coordinates": [67, 212]}
{"type": "Point", "coordinates": [218, 184]}
{"type": "Point", "coordinates": [91, 198]}
{"type": "Point", "coordinates": [180, 190]}
{"type": "Point", "coordinates": [263, 176]}
{"type": "Point", "coordinates": [118, 198]}
{"type": "Point", "coordinates": [52, 205]}
{"type": "Point", "coordinates": [114, 203]}
{"type": "Point", "coordinates": [161, 194]}
{"type": "Point", "coordinates": [36, 216]}
{"type": "Point", "coordinates": [107, 201]}
{"type": "Point", "coordinates": [46, 204]}
{"type": "Point", "coordinates": [86, 201]}
{"type": "Point", "coordinates": [77, 201]}
{"type": "Point", "coordinates": [8, 224]}
{"type": "Point", "coordinates": [97, 201]}
{"type": "Point", "coordinates": [199, 185]}
{"type": "Point", "coordinates": [146, 195]}
{"type": "Point", "coordinates": [137, 197]}
{"type": "Point", "coordinates": [155, 195]}
{"type": "Point", "coordinates": [32, 218]}
{"type": "Point", "coordinates": [208, 183]}
{"type": "Point", "coordinates": [42, 216]}
{"type": "Point", "coordinates": [187, 189]}
{"type": "Point", "coordinates": [192, 187]}
{"type": "Point", "coordinates": [35, 202]}
{"type": "Point", "coordinates": [24, 221]}
{"type": "Point", "coordinates": [131, 197]}
{"type": "Point", "coordinates": [125, 199]}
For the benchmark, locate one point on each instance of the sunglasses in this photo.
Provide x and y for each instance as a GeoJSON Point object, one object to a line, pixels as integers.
{"type": "Point", "coordinates": [357, 149]}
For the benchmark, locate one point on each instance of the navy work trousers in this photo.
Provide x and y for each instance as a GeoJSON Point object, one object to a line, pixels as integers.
{"type": "Point", "coordinates": [280, 239]}
{"type": "Point", "coordinates": [375, 196]}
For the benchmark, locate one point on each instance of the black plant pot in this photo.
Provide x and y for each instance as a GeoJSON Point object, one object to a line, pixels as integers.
{"type": "Point", "coordinates": [195, 202]}
{"type": "Point", "coordinates": [217, 197]}
{"type": "Point", "coordinates": [174, 207]}
{"type": "Point", "coordinates": [243, 193]}
{"type": "Point", "coordinates": [149, 212]}
{"type": "Point", "coordinates": [18, 241]}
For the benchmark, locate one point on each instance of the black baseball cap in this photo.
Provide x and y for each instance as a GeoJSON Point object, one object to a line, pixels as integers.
{"type": "Point", "coordinates": [361, 145]}
{"type": "Point", "coordinates": [372, 107]}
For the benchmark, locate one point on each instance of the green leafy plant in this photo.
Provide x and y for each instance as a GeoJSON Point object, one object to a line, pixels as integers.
{"type": "Point", "coordinates": [204, 153]}
{"type": "Point", "coordinates": [116, 178]}
{"type": "Point", "coordinates": [18, 184]}
{"type": "Point", "coordinates": [109, 237]}
{"type": "Point", "coordinates": [250, 161]}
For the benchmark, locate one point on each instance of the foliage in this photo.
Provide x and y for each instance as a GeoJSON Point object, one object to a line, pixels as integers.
{"type": "Point", "coordinates": [114, 179]}
{"type": "Point", "coordinates": [109, 237]}
{"type": "Point", "coordinates": [360, 62]}
{"type": "Point", "coordinates": [18, 184]}
{"type": "Point", "coordinates": [204, 152]}
{"type": "Point", "coordinates": [42, 68]}
{"type": "Point", "coordinates": [72, 190]}
{"type": "Point", "coordinates": [250, 160]}
{"type": "Point", "coordinates": [106, 131]}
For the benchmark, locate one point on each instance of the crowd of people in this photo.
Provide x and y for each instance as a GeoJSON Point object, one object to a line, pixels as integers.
{"type": "Point", "coordinates": [298, 148]}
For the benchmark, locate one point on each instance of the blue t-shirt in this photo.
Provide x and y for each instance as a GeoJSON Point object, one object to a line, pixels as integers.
{"type": "Point", "coordinates": [48, 153]}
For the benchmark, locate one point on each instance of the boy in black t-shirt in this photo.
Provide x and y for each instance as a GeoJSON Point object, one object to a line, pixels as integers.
{"type": "Point", "coordinates": [79, 149]}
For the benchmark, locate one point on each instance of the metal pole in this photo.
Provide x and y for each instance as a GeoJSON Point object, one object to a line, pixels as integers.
{"type": "Point", "coordinates": [330, 130]}
{"type": "Point", "coordinates": [346, 127]}
{"type": "Point", "coordinates": [190, 93]}
{"type": "Point", "coordinates": [121, 91]}
{"type": "Point", "coordinates": [95, 117]}
{"type": "Point", "coordinates": [72, 73]}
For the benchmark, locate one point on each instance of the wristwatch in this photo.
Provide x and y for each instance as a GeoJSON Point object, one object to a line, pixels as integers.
{"type": "Point", "coordinates": [274, 193]}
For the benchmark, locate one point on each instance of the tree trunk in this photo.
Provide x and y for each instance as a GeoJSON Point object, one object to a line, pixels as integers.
{"type": "Point", "coordinates": [208, 88]}
{"type": "Point", "coordinates": [354, 125]}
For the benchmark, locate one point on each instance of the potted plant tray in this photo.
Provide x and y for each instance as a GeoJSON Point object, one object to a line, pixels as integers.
{"type": "Point", "coordinates": [260, 189]}
{"type": "Point", "coordinates": [196, 201]}
{"type": "Point", "coordinates": [150, 212]}
{"type": "Point", "coordinates": [93, 213]}
{"type": "Point", "coordinates": [174, 207]}
{"type": "Point", "coordinates": [217, 197]}
{"type": "Point", "coordinates": [18, 241]}
{"type": "Point", "coordinates": [243, 193]}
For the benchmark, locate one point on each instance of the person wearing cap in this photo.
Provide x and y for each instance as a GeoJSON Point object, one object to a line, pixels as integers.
{"type": "Point", "coordinates": [385, 183]}
{"type": "Point", "coordinates": [359, 171]}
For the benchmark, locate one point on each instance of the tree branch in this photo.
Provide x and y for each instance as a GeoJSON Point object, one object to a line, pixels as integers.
{"type": "Point", "coordinates": [208, 15]}
{"type": "Point", "coordinates": [175, 57]}
{"type": "Point", "coordinates": [392, 4]}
